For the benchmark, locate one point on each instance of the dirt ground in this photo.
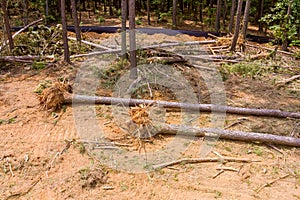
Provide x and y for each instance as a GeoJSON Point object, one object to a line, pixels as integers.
{"type": "Point", "coordinates": [42, 156]}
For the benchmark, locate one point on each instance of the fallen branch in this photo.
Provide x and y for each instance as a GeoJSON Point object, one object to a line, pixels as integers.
{"type": "Point", "coordinates": [202, 160]}
{"type": "Point", "coordinates": [271, 182]}
{"type": "Point", "coordinates": [96, 53]}
{"type": "Point", "coordinates": [25, 59]}
{"type": "Point", "coordinates": [27, 190]}
{"type": "Point", "coordinates": [27, 26]}
{"type": "Point", "coordinates": [269, 49]}
{"type": "Point", "coordinates": [286, 81]}
{"type": "Point", "coordinates": [230, 134]}
{"type": "Point", "coordinates": [91, 44]}
{"type": "Point", "coordinates": [82, 99]}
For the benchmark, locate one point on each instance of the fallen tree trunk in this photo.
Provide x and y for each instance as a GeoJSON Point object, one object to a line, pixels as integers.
{"type": "Point", "coordinates": [230, 134]}
{"type": "Point", "coordinates": [82, 99]}
{"type": "Point", "coordinates": [25, 59]}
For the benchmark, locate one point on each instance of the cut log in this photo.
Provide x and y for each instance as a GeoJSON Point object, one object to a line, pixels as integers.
{"type": "Point", "coordinates": [230, 134]}
{"type": "Point", "coordinates": [82, 99]}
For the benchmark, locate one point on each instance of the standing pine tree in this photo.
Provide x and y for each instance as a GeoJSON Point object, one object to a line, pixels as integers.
{"type": "Point", "coordinates": [65, 32]}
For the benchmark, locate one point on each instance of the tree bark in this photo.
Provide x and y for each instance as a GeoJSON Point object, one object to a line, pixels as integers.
{"type": "Point", "coordinates": [110, 8]}
{"type": "Point", "coordinates": [81, 99]}
{"type": "Point", "coordinates": [218, 16]}
{"type": "Point", "coordinates": [65, 32]}
{"type": "Point", "coordinates": [7, 25]}
{"type": "Point", "coordinates": [200, 11]}
{"type": "Point", "coordinates": [148, 12]}
{"type": "Point", "coordinates": [132, 42]}
{"type": "Point", "coordinates": [231, 135]}
{"type": "Point", "coordinates": [174, 15]}
{"type": "Point", "coordinates": [76, 22]}
{"type": "Point", "coordinates": [246, 19]}
{"type": "Point", "coordinates": [260, 15]}
{"type": "Point", "coordinates": [285, 41]}
{"type": "Point", "coordinates": [225, 7]}
{"type": "Point", "coordinates": [123, 29]}
{"type": "Point", "coordinates": [237, 25]}
{"type": "Point", "coordinates": [25, 10]}
{"type": "Point", "coordinates": [233, 2]}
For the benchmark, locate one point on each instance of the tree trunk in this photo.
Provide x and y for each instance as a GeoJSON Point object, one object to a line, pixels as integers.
{"type": "Point", "coordinates": [82, 99]}
{"type": "Point", "coordinates": [246, 19]}
{"type": "Point", "coordinates": [148, 12]}
{"type": "Point", "coordinates": [285, 41]}
{"type": "Point", "coordinates": [25, 10]}
{"type": "Point", "coordinates": [224, 13]}
{"type": "Point", "coordinates": [200, 11]}
{"type": "Point", "coordinates": [132, 42]}
{"type": "Point", "coordinates": [123, 28]}
{"type": "Point", "coordinates": [110, 8]}
{"type": "Point", "coordinates": [65, 32]}
{"type": "Point", "coordinates": [237, 25]}
{"type": "Point", "coordinates": [7, 25]}
{"type": "Point", "coordinates": [230, 134]}
{"type": "Point", "coordinates": [260, 15]}
{"type": "Point", "coordinates": [76, 22]}
{"type": "Point", "coordinates": [233, 2]}
{"type": "Point", "coordinates": [218, 16]}
{"type": "Point", "coordinates": [174, 15]}
{"type": "Point", "coordinates": [104, 6]}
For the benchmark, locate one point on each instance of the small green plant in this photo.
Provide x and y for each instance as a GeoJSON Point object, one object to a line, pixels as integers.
{"type": "Point", "coordinates": [218, 194]}
{"type": "Point", "coordinates": [84, 172]}
{"type": "Point", "coordinates": [18, 23]}
{"type": "Point", "coordinates": [101, 19]}
{"type": "Point", "coordinates": [297, 55]}
{"type": "Point", "coordinates": [258, 151]}
{"type": "Point", "coordinates": [38, 65]}
{"type": "Point", "coordinates": [42, 85]}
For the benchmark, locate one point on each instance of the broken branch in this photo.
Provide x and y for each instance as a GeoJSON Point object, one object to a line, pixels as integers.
{"type": "Point", "coordinates": [202, 160]}
{"type": "Point", "coordinates": [271, 182]}
{"type": "Point", "coordinates": [91, 44]}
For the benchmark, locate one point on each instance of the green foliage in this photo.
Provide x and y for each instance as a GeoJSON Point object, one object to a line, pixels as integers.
{"type": "Point", "coordinates": [163, 17]}
{"type": "Point", "coordinates": [38, 65]}
{"type": "Point", "coordinates": [42, 85]}
{"type": "Point", "coordinates": [295, 43]}
{"type": "Point", "coordinates": [9, 121]}
{"type": "Point", "coordinates": [111, 75]}
{"type": "Point", "coordinates": [297, 55]}
{"type": "Point", "coordinates": [247, 69]}
{"type": "Point", "coordinates": [43, 41]}
{"type": "Point", "coordinates": [139, 21]}
{"type": "Point", "coordinates": [279, 22]}
{"type": "Point", "coordinates": [101, 19]}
